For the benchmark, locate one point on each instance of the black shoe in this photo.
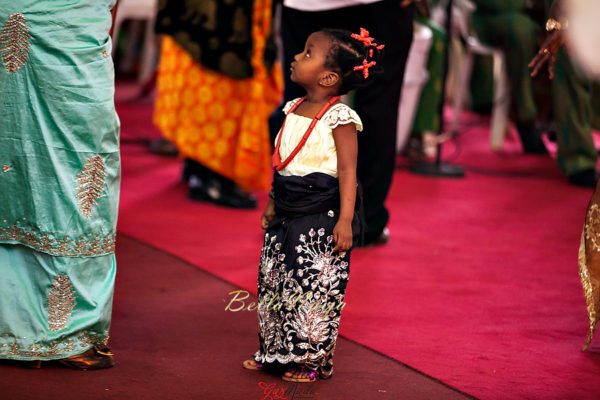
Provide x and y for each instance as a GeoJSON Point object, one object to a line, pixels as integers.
{"type": "Point", "coordinates": [587, 178]}
{"type": "Point", "coordinates": [186, 172]}
{"type": "Point", "coordinates": [163, 147]}
{"type": "Point", "coordinates": [530, 139]}
{"type": "Point", "coordinates": [212, 191]}
{"type": "Point", "coordinates": [377, 240]}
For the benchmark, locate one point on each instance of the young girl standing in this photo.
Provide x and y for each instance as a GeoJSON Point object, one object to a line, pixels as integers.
{"type": "Point", "coordinates": [311, 218]}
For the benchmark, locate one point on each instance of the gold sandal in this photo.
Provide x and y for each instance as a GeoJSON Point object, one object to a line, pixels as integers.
{"type": "Point", "coordinates": [311, 375]}
{"type": "Point", "coordinates": [95, 358]}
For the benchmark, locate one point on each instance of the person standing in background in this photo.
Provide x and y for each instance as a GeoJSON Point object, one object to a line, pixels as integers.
{"type": "Point", "coordinates": [59, 182]}
{"type": "Point", "coordinates": [390, 21]}
{"type": "Point", "coordinates": [574, 99]}
{"type": "Point", "coordinates": [217, 84]}
{"type": "Point", "coordinates": [505, 24]}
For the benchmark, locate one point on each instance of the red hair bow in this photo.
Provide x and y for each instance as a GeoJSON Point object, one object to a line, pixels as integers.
{"type": "Point", "coordinates": [365, 67]}
{"type": "Point", "coordinates": [363, 37]}
{"type": "Point", "coordinates": [367, 40]}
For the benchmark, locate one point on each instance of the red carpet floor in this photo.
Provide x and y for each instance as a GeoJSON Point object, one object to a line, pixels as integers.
{"type": "Point", "coordinates": [173, 340]}
{"type": "Point", "coordinates": [478, 286]}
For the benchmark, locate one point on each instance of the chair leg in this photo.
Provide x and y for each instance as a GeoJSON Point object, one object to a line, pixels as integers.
{"type": "Point", "coordinates": [148, 60]}
{"type": "Point", "coordinates": [462, 87]}
{"type": "Point", "coordinates": [115, 35]}
{"type": "Point", "coordinates": [501, 105]}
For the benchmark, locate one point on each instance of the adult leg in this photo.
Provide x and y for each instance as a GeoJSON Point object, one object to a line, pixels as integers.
{"type": "Point", "coordinates": [208, 185]}
{"type": "Point", "coordinates": [515, 34]}
{"type": "Point", "coordinates": [377, 106]}
{"type": "Point", "coordinates": [571, 93]}
{"type": "Point", "coordinates": [53, 308]}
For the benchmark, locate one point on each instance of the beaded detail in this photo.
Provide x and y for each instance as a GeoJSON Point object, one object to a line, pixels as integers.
{"type": "Point", "coordinates": [53, 348]}
{"type": "Point", "coordinates": [55, 244]}
{"type": "Point", "coordinates": [14, 42]}
{"type": "Point", "coordinates": [60, 303]}
{"type": "Point", "coordinates": [91, 183]}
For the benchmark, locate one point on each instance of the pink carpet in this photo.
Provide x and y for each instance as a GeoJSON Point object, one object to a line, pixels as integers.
{"type": "Point", "coordinates": [478, 286]}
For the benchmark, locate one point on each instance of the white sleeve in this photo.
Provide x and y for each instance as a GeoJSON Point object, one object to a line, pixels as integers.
{"type": "Point", "coordinates": [289, 105]}
{"type": "Point", "coordinates": [341, 114]}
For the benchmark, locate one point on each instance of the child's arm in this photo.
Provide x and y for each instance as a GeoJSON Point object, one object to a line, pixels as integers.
{"type": "Point", "coordinates": [346, 145]}
{"type": "Point", "coordinates": [268, 214]}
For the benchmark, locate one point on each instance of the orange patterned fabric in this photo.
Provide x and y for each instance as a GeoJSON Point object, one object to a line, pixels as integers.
{"type": "Point", "coordinates": [219, 121]}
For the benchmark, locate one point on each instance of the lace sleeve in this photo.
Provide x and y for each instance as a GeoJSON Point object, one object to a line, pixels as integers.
{"type": "Point", "coordinates": [289, 105]}
{"type": "Point", "coordinates": [341, 114]}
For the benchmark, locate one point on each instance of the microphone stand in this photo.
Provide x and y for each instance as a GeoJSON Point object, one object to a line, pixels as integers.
{"type": "Point", "coordinates": [438, 168]}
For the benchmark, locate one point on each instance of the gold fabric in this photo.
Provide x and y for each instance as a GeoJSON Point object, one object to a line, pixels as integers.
{"type": "Point", "coordinates": [589, 263]}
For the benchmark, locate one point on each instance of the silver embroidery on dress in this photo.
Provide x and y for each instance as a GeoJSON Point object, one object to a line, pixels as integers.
{"type": "Point", "coordinates": [305, 325]}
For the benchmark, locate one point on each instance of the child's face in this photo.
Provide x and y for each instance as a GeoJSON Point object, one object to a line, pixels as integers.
{"type": "Point", "coordinates": [309, 66]}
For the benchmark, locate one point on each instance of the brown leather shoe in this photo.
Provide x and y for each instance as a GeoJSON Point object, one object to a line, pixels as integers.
{"type": "Point", "coordinates": [95, 358]}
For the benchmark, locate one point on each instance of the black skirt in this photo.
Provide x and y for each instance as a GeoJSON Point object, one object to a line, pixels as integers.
{"type": "Point", "coordinates": [301, 281]}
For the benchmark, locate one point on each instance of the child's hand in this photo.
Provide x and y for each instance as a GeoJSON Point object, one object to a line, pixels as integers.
{"type": "Point", "coordinates": [268, 214]}
{"type": "Point", "coordinates": [342, 236]}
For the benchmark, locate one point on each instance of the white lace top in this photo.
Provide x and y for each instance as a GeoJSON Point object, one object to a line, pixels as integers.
{"type": "Point", "coordinates": [319, 153]}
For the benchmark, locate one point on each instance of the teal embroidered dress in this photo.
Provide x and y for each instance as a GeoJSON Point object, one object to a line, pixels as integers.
{"type": "Point", "coordinates": [59, 177]}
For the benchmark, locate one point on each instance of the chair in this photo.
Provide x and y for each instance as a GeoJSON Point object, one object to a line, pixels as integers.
{"type": "Point", "coordinates": [462, 28]}
{"type": "Point", "coordinates": [139, 10]}
{"type": "Point", "coordinates": [415, 77]}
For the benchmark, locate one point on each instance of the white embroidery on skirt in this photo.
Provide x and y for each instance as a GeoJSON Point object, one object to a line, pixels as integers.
{"type": "Point", "coordinates": [310, 303]}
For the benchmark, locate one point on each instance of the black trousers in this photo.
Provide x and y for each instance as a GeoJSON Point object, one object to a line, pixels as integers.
{"type": "Point", "coordinates": [377, 104]}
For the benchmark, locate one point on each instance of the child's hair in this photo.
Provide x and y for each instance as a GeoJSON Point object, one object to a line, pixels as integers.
{"type": "Point", "coordinates": [347, 55]}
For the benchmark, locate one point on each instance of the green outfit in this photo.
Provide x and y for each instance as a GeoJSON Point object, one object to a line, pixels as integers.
{"type": "Point", "coordinates": [503, 24]}
{"type": "Point", "coordinates": [427, 117]}
{"type": "Point", "coordinates": [59, 177]}
{"type": "Point", "coordinates": [575, 102]}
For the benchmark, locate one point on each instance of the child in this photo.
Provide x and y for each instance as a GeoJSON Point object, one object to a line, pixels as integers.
{"type": "Point", "coordinates": [310, 218]}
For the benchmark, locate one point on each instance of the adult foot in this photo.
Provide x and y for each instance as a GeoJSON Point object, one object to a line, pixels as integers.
{"type": "Point", "coordinates": [95, 358]}
{"type": "Point", "coordinates": [163, 147]}
{"type": "Point", "coordinates": [530, 139]}
{"type": "Point", "coordinates": [212, 191]}
{"type": "Point", "coordinates": [300, 374]}
{"type": "Point", "coordinates": [587, 178]}
{"type": "Point", "coordinates": [251, 364]}
{"type": "Point", "coordinates": [377, 240]}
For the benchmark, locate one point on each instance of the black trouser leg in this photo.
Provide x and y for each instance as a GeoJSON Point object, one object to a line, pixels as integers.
{"type": "Point", "coordinates": [377, 105]}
